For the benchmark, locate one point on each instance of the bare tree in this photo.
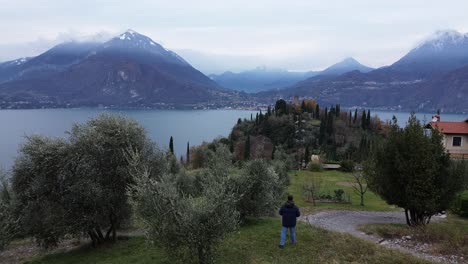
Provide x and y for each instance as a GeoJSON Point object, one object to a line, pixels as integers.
{"type": "Point", "coordinates": [311, 189]}
{"type": "Point", "coordinates": [360, 184]}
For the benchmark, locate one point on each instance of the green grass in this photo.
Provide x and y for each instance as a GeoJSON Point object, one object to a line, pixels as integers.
{"type": "Point", "coordinates": [256, 242]}
{"type": "Point", "coordinates": [330, 181]}
{"type": "Point", "coordinates": [133, 250]}
{"type": "Point", "coordinates": [446, 237]}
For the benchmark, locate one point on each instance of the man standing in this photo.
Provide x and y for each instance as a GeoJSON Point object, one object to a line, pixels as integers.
{"type": "Point", "coordinates": [289, 213]}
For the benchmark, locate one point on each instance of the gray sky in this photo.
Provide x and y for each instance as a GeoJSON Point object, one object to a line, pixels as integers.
{"type": "Point", "coordinates": [215, 35]}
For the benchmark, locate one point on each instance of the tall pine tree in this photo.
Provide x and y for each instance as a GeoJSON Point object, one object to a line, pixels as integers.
{"type": "Point", "coordinates": [368, 120]}
{"type": "Point", "coordinates": [188, 153]}
{"type": "Point", "coordinates": [363, 119]}
{"type": "Point", "coordinates": [171, 145]}
{"type": "Point", "coordinates": [355, 116]}
{"type": "Point", "coordinates": [247, 148]}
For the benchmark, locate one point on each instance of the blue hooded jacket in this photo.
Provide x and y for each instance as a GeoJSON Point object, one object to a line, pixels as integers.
{"type": "Point", "coordinates": [289, 212]}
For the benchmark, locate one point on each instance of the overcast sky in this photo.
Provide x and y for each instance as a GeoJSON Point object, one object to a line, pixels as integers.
{"type": "Point", "coordinates": [219, 35]}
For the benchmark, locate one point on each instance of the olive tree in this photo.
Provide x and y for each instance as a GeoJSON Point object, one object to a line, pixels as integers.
{"type": "Point", "coordinates": [413, 171]}
{"type": "Point", "coordinates": [8, 220]}
{"type": "Point", "coordinates": [183, 222]}
{"type": "Point", "coordinates": [39, 182]}
{"type": "Point", "coordinates": [259, 189]}
{"type": "Point", "coordinates": [78, 186]}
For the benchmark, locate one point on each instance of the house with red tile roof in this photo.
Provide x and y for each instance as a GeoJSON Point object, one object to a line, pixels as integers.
{"type": "Point", "coordinates": [455, 136]}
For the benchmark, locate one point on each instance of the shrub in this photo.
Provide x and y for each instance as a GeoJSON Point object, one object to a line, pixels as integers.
{"type": "Point", "coordinates": [460, 204]}
{"type": "Point", "coordinates": [314, 167]}
{"type": "Point", "coordinates": [339, 194]}
{"type": "Point", "coordinates": [347, 165]}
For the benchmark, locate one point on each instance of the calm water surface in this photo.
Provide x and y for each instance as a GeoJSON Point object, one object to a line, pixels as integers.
{"type": "Point", "coordinates": [194, 126]}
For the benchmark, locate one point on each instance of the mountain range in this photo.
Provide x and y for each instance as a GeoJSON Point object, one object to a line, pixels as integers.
{"type": "Point", "coordinates": [130, 70]}
{"type": "Point", "coordinates": [263, 79]}
{"type": "Point", "coordinates": [432, 76]}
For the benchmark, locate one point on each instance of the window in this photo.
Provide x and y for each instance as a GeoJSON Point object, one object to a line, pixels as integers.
{"type": "Point", "coordinates": [456, 142]}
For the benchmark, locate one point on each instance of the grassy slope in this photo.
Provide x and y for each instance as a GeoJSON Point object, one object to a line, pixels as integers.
{"type": "Point", "coordinates": [257, 242]}
{"type": "Point", "coordinates": [332, 180]}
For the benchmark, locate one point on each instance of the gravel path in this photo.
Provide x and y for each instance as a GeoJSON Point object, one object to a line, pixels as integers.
{"type": "Point", "coordinates": [348, 222]}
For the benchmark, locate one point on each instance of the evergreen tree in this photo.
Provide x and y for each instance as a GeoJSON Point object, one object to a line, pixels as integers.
{"type": "Point", "coordinates": [322, 131]}
{"type": "Point", "coordinates": [363, 119]}
{"type": "Point", "coordinates": [247, 148]}
{"type": "Point", "coordinates": [260, 117]}
{"type": "Point", "coordinates": [303, 107]}
{"type": "Point", "coordinates": [413, 171]}
{"type": "Point", "coordinates": [317, 111]}
{"type": "Point", "coordinates": [256, 119]}
{"type": "Point", "coordinates": [349, 118]}
{"type": "Point", "coordinates": [330, 125]}
{"type": "Point", "coordinates": [251, 119]}
{"type": "Point", "coordinates": [171, 145]}
{"type": "Point", "coordinates": [281, 107]}
{"type": "Point", "coordinates": [355, 116]}
{"type": "Point", "coordinates": [337, 110]}
{"type": "Point", "coordinates": [307, 154]}
{"type": "Point", "coordinates": [239, 121]}
{"type": "Point", "coordinates": [269, 111]}
{"type": "Point", "coordinates": [368, 120]}
{"type": "Point", "coordinates": [188, 153]}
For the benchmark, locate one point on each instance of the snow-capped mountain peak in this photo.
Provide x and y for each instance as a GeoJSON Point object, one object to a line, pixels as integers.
{"type": "Point", "coordinates": [131, 40]}
{"type": "Point", "coordinates": [444, 38]}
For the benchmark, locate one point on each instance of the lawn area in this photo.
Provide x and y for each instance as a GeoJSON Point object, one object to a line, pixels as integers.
{"type": "Point", "coordinates": [256, 242]}
{"type": "Point", "coordinates": [330, 181]}
{"type": "Point", "coordinates": [448, 237]}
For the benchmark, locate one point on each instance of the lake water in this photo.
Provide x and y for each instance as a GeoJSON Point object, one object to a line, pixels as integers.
{"type": "Point", "coordinates": [194, 126]}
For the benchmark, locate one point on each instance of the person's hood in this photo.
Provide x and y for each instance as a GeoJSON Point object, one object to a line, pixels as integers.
{"type": "Point", "coordinates": [289, 204]}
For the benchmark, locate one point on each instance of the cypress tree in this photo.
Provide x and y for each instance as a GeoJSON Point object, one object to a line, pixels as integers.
{"type": "Point", "coordinates": [330, 125]}
{"type": "Point", "coordinates": [355, 116]}
{"type": "Point", "coordinates": [251, 117]}
{"type": "Point", "coordinates": [322, 134]}
{"type": "Point", "coordinates": [188, 153]}
{"type": "Point", "coordinates": [256, 119]}
{"type": "Point", "coordinates": [171, 145]}
{"type": "Point", "coordinates": [363, 119]}
{"type": "Point", "coordinates": [337, 110]}
{"type": "Point", "coordinates": [317, 111]}
{"type": "Point", "coordinates": [239, 121]}
{"type": "Point", "coordinates": [269, 111]}
{"type": "Point", "coordinates": [247, 148]}
{"type": "Point", "coordinates": [260, 117]}
{"type": "Point", "coordinates": [349, 118]}
{"type": "Point", "coordinates": [368, 120]}
{"type": "Point", "coordinates": [303, 106]}
{"type": "Point", "coordinates": [307, 155]}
